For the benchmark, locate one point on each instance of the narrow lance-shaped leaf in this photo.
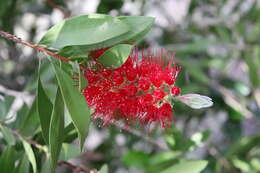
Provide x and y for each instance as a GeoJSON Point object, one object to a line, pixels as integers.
{"type": "Point", "coordinates": [44, 107]}
{"type": "Point", "coordinates": [75, 103]}
{"type": "Point", "coordinates": [23, 166]}
{"type": "Point", "coordinates": [115, 56]}
{"type": "Point", "coordinates": [195, 101]}
{"type": "Point", "coordinates": [56, 129]}
{"type": "Point", "coordinates": [30, 154]}
{"type": "Point", "coordinates": [31, 123]}
{"type": "Point", "coordinates": [7, 159]}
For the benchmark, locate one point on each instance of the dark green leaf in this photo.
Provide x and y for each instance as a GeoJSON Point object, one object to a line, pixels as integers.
{"type": "Point", "coordinates": [44, 107]}
{"type": "Point", "coordinates": [7, 160]}
{"type": "Point", "coordinates": [75, 103]}
{"type": "Point", "coordinates": [187, 166]}
{"type": "Point", "coordinates": [23, 166]}
{"type": "Point", "coordinates": [56, 129]}
{"type": "Point", "coordinates": [84, 30]}
{"type": "Point", "coordinates": [30, 154]}
{"type": "Point", "coordinates": [20, 117]}
{"type": "Point", "coordinates": [115, 56]}
{"type": "Point", "coordinates": [31, 124]}
{"type": "Point", "coordinates": [136, 159]}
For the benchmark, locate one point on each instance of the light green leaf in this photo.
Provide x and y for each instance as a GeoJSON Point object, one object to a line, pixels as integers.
{"type": "Point", "coordinates": [7, 160]}
{"type": "Point", "coordinates": [30, 155]}
{"type": "Point", "coordinates": [56, 129]}
{"type": "Point", "coordinates": [139, 26]}
{"type": "Point", "coordinates": [46, 167]}
{"type": "Point", "coordinates": [44, 107]}
{"type": "Point", "coordinates": [115, 56]}
{"type": "Point", "coordinates": [104, 169]}
{"type": "Point", "coordinates": [195, 101]}
{"type": "Point", "coordinates": [69, 151]}
{"type": "Point", "coordinates": [187, 166]}
{"type": "Point", "coordinates": [8, 136]}
{"type": "Point", "coordinates": [75, 103]}
{"type": "Point", "coordinates": [84, 30]}
{"type": "Point", "coordinates": [82, 82]}
{"type": "Point", "coordinates": [136, 159]}
{"type": "Point", "coordinates": [5, 105]}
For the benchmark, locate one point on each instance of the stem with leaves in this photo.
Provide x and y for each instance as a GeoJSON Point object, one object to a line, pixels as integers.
{"type": "Point", "coordinates": [36, 47]}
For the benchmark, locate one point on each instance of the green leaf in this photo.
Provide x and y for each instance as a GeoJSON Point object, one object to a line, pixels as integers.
{"type": "Point", "coordinates": [31, 124]}
{"type": "Point", "coordinates": [187, 166]}
{"type": "Point", "coordinates": [56, 129]}
{"type": "Point", "coordinates": [23, 166]}
{"type": "Point", "coordinates": [253, 62]}
{"type": "Point", "coordinates": [5, 106]}
{"type": "Point", "coordinates": [115, 56]}
{"type": "Point", "coordinates": [84, 30]}
{"type": "Point", "coordinates": [20, 117]}
{"type": "Point", "coordinates": [8, 136]}
{"type": "Point", "coordinates": [195, 101]}
{"type": "Point", "coordinates": [46, 167]}
{"type": "Point", "coordinates": [243, 146]}
{"type": "Point", "coordinates": [82, 82]}
{"type": "Point", "coordinates": [139, 26]}
{"type": "Point", "coordinates": [7, 160]}
{"type": "Point", "coordinates": [104, 169]}
{"type": "Point", "coordinates": [69, 151]}
{"type": "Point", "coordinates": [136, 159]}
{"type": "Point", "coordinates": [75, 103]}
{"type": "Point", "coordinates": [30, 155]}
{"type": "Point", "coordinates": [44, 107]}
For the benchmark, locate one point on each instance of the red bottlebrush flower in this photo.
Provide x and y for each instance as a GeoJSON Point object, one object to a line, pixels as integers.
{"type": "Point", "coordinates": [175, 91]}
{"type": "Point", "coordinates": [136, 91]}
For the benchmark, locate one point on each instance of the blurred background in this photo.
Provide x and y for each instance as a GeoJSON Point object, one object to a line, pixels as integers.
{"type": "Point", "coordinates": [217, 43]}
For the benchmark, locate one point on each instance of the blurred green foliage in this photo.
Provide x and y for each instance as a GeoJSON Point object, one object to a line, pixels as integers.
{"type": "Point", "coordinates": [218, 47]}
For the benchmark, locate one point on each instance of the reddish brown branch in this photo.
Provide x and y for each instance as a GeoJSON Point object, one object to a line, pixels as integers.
{"type": "Point", "coordinates": [36, 47]}
{"type": "Point", "coordinates": [65, 13]}
{"type": "Point", "coordinates": [75, 168]}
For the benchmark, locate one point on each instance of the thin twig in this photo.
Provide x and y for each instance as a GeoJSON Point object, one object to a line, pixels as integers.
{"type": "Point", "coordinates": [75, 168]}
{"type": "Point", "coordinates": [36, 47]}
{"type": "Point", "coordinates": [213, 151]}
{"type": "Point", "coordinates": [32, 142]}
{"type": "Point", "coordinates": [65, 12]}
{"type": "Point", "coordinates": [13, 92]}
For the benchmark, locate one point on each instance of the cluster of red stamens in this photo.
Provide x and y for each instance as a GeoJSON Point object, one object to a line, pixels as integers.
{"type": "Point", "coordinates": [137, 91]}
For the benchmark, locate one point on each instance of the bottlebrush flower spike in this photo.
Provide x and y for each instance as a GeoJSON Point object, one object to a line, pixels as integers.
{"type": "Point", "coordinates": [137, 91]}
